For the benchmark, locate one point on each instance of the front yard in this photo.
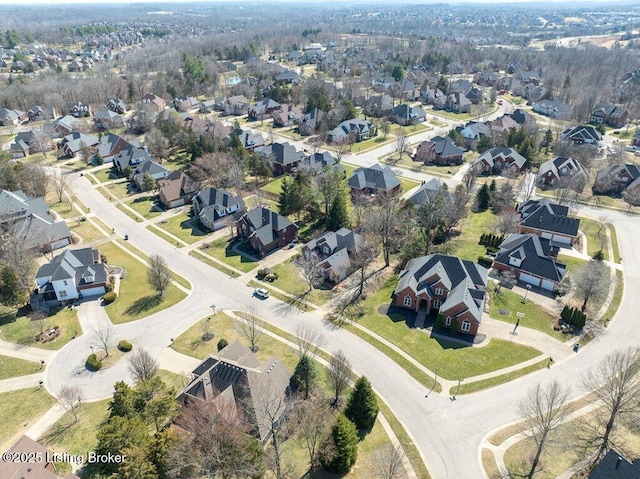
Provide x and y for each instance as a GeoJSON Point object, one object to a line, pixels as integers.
{"type": "Point", "coordinates": [146, 206]}
{"type": "Point", "coordinates": [596, 237]}
{"type": "Point", "coordinates": [86, 231]}
{"type": "Point", "coordinates": [13, 367]}
{"type": "Point", "coordinates": [136, 299]}
{"type": "Point", "coordinates": [184, 226]}
{"type": "Point", "coordinates": [21, 330]}
{"type": "Point", "coordinates": [222, 249]}
{"type": "Point", "coordinates": [20, 407]}
{"type": "Point", "coordinates": [290, 280]}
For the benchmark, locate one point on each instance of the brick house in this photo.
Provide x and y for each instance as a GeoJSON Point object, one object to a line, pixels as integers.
{"type": "Point", "coordinates": [213, 205]}
{"type": "Point", "coordinates": [616, 178]}
{"type": "Point", "coordinates": [613, 115]}
{"type": "Point", "coordinates": [439, 150]}
{"type": "Point", "coordinates": [496, 159]}
{"type": "Point", "coordinates": [548, 220]}
{"type": "Point", "coordinates": [266, 230]}
{"type": "Point", "coordinates": [553, 171]}
{"type": "Point", "coordinates": [373, 180]}
{"type": "Point", "coordinates": [447, 285]}
{"type": "Point", "coordinates": [177, 189]}
{"type": "Point", "coordinates": [333, 251]}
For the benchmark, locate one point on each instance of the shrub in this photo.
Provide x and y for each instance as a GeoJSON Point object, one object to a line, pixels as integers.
{"type": "Point", "coordinates": [55, 328]}
{"type": "Point", "coordinates": [439, 323]}
{"type": "Point", "coordinates": [93, 363]}
{"type": "Point", "coordinates": [340, 450]}
{"type": "Point", "coordinates": [263, 272]}
{"type": "Point", "coordinates": [486, 262]}
{"type": "Point", "coordinates": [453, 329]}
{"type": "Point", "coordinates": [125, 346]}
{"type": "Point", "coordinates": [222, 344]}
{"type": "Point", "coordinates": [109, 297]}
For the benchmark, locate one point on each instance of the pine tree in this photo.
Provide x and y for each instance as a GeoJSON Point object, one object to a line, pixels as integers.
{"type": "Point", "coordinates": [362, 407]}
{"type": "Point", "coordinates": [493, 186]}
{"type": "Point", "coordinates": [305, 375]}
{"type": "Point", "coordinates": [565, 313]}
{"type": "Point", "coordinates": [122, 401]}
{"type": "Point", "coordinates": [340, 451]}
{"type": "Point", "coordinates": [148, 183]}
{"type": "Point", "coordinates": [338, 216]}
{"type": "Point", "coordinates": [284, 200]}
{"type": "Point", "coordinates": [439, 324]}
{"type": "Point", "coordinates": [483, 196]}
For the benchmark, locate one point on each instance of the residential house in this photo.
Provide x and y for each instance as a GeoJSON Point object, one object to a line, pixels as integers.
{"type": "Point", "coordinates": [502, 125]}
{"type": "Point", "coordinates": [77, 109]}
{"type": "Point", "coordinates": [554, 109]}
{"type": "Point", "coordinates": [73, 274]}
{"type": "Point", "coordinates": [473, 132]}
{"type": "Point", "coordinates": [110, 145]}
{"type": "Point", "coordinates": [214, 207]}
{"type": "Point", "coordinates": [383, 83]}
{"type": "Point", "coordinates": [154, 102]}
{"type": "Point", "coordinates": [151, 168]}
{"type": "Point", "coordinates": [37, 139]}
{"type": "Point", "coordinates": [407, 115]}
{"type": "Point", "coordinates": [615, 466]}
{"type": "Point", "coordinates": [310, 122]}
{"type": "Point", "coordinates": [449, 286]}
{"type": "Point", "coordinates": [79, 144]}
{"type": "Point", "coordinates": [40, 113]}
{"type": "Point", "coordinates": [534, 93]}
{"type": "Point", "coordinates": [474, 95]}
{"type": "Point", "coordinates": [374, 180]}
{"type": "Point", "coordinates": [532, 259]}
{"type": "Point", "coordinates": [318, 163]}
{"type": "Point", "coordinates": [635, 140]}
{"type": "Point", "coordinates": [286, 77]}
{"type": "Point", "coordinates": [352, 131]}
{"type": "Point", "coordinates": [117, 105]}
{"type": "Point", "coordinates": [497, 159]}
{"type": "Point", "coordinates": [235, 379]}
{"type": "Point", "coordinates": [263, 109]}
{"type": "Point", "coordinates": [425, 192]}
{"type": "Point", "coordinates": [281, 157]}
{"type": "Point", "coordinates": [529, 77]}
{"type": "Point", "coordinates": [485, 78]}
{"type": "Point", "coordinates": [334, 251]}
{"type": "Point", "coordinates": [440, 151]}
{"type": "Point", "coordinates": [548, 220]}
{"type": "Point", "coordinates": [185, 103]}
{"type": "Point", "coordinates": [456, 102]}
{"type": "Point", "coordinates": [616, 178]}
{"type": "Point", "coordinates": [234, 105]}
{"type": "Point", "coordinates": [523, 118]}
{"type": "Point", "coordinates": [553, 171]}
{"type": "Point", "coordinates": [515, 67]}
{"type": "Point", "coordinates": [289, 115]}
{"type": "Point", "coordinates": [63, 126]}
{"type": "Point", "coordinates": [582, 134]}
{"type": "Point", "coordinates": [10, 117]}
{"type": "Point", "coordinates": [613, 115]}
{"type": "Point", "coordinates": [207, 106]}
{"type": "Point", "coordinates": [131, 156]}
{"type": "Point", "coordinates": [266, 230]}
{"type": "Point", "coordinates": [250, 141]}
{"type": "Point", "coordinates": [107, 119]}
{"type": "Point", "coordinates": [378, 106]}
{"type": "Point", "coordinates": [176, 189]}
{"type": "Point", "coordinates": [429, 95]}
{"type": "Point", "coordinates": [19, 149]}
{"type": "Point", "coordinates": [44, 468]}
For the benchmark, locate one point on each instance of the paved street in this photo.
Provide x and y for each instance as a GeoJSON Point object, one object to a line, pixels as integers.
{"type": "Point", "coordinates": [447, 433]}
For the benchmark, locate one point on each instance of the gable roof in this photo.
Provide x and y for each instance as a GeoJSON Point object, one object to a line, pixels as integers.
{"type": "Point", "coordinates": [375, 177]}
{"type": "Point", "coordinates": [544, 215]}
{"type": "Point", "coordinates": [421, 195]}
{"type": "Point", "coordinates": [561, 166]}
{"type": "Point", "coordinates": [615, 466]}
{"type": "Point", "coordinates": [498, 152]}
{"type": "Point", "coordinates": [585, 133]}
{"type": "Point", "coordinates": [445, 147]}
{"type": "Point", "coordinates": [266, 223]}
{"type": "Point", "coordinates": [534, 252]}
{"type": "Point", "coordinates": [74, 264]}
{"type": "Point", "coordinates": [407, 112]}
{"type": "Point", "coordinates": [316, 163]}
{"type": "Point", "coordinates": [30, 470]}
{"type": "Point", "coordinates": [175, 185]}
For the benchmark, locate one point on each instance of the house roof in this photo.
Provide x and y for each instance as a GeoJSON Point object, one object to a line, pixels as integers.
{"type": "Point", "coordinates": [213, 203]}
{"type": "Point", "coordinates": [342, 239]}
{"type": "Point", "coordinates": [407, 112]}
{"type": "Point", "coordinates": [19, 145]}
{"type": "Point", "coordinates": [490, 156]}
{"type": "Point", "coordinates": [561, 166]}
{"type": "Point", "coordinates": [238, 375]}
{"type": "Point", "coordinates": [9, 115]}
{"type": "Point", "coordinates": [375, 177]}
{"type": "Point", "coordinates": [555, 105]}
{"type": "Point", "coordinates": [175, 185]}
{"type": "Point", "coordinates": [544, 215]}
{"type": "Point", "coordinates": [266, 223]}
{"type": "Point", "coordinates": [584, 133]}
{"type": "Point", "coordinates": [281, 153]}
{"type": "Point", "coordinates": [30, 470]}
{"type": "Point", "coordinates": [474, 130]}
{"type": "Point", "coordinates": [77, 141]}
{"type": "Point", "coordinates": [132, 155]}
{"type": "Point", "coordinates": [312, 118]}
{"type": "Point", "coordinates": [609, 109]}
{"type": "Point", "coordinates": [110, 144]}
{"type": "Point", "coordinates": [615, 466]}
{"type": "Point", "coordinates": [12, 203]}
{"type": "Point", "coordinates": [76, 264]}
{"type": "Point", "coordinates": [445, 147]}
{"type": "Point", "coordinates": [421, 195]}
{"type": "Point", "coordinates": [534, 252]}
{"type": "Point", "coordinates": [347, 126]}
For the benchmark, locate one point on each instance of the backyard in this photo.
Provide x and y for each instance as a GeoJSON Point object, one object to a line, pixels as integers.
{"type": "Point", "coordinates": [18, 328]}
{"type": "Point", "coordinates": [465, 245]}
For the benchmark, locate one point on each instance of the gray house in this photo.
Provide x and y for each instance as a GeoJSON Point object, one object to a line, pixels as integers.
{"type": "Point", "coordinates": [407, 115]}
{"type": "Point", "coordinates": [213, 205]}
{"type": "Point", "coordinates": [333, 252]}
{"type": "Point", "coordinates": [373, 180]}
{"type": "Point", "coordinates": [352, 131]}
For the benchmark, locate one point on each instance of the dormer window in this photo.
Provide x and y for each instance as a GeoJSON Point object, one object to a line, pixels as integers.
{"type": "Point", "coordinates": [513, 261]}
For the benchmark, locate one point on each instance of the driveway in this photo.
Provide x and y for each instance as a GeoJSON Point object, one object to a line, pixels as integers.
{"type": "Point", "coordinates": [447, 433]}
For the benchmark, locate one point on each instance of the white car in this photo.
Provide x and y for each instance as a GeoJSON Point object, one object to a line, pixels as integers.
{"type": "Point", "coordinates": [261, 293]}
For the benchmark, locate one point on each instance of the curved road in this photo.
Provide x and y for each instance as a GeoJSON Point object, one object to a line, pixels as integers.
{"type": "Point", "coordinates": [447, 433]}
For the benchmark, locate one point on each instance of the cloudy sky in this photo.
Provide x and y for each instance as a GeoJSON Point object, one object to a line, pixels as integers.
{"type": "Point", "coordinates": [60, 2]}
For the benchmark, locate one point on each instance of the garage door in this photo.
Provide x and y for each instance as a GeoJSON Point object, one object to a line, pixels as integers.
{"type": "Point", "coordinates": [546, 235]}
{"type": "Point", "coordinates": [548, 285]}
{"type": "Point", "coordinates": [561, 239]}
{"type": "Point", "coordinates": [527, 278]}
{"type": "Point", "coordinates": [92, 291]}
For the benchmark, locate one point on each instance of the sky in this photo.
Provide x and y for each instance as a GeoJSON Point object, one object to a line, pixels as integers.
{"type": "Point", "coordinates": [68, 2]}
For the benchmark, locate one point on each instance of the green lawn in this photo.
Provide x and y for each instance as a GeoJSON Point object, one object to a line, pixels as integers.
{"type": "Point", "coordinates": [497, 380]}
{"type": "Point", "coordinates": [128, 212]}
{"type": "Point", "coordinates": [137, 299]}
{"type": "Point", "coordinates": [289, 280]}
{"type": "Point", "coordinates": [596, 237]}
{"type": "Point", "coordinates": [222, 250]}
{"type": "Point", "coordinates": [371, 143]}
{"type": "Point", "coordinates": [184, 226]}
{"type": "Point", "coordinates": [409, 129]}
{"type": "Point", "coordinates": [451, 360]}
{"type": "Point", "coordinates": [176, 381]}
{"type": "Point", "coordinates": [617, 297]}
{"type": "Point", "coordinates": [160, 232]}
{"type": "Point", "coordinates": [146, 206]}
{"type": "Point", "coordinates": [279, 295]}
{"type": "Point", "coordinates": [452, 115]}
{"type": "Point", "coordinates": [516, 100]}
{"type": "Point", "coordinates": [275, 186]}
{"type": "Point", "coordinates": [20, 407]}
{"type": "Point", "coordinates": [614, 243]}
{"type": "Point", "coordinates": [13, 367]}
{"type": "Point", "coordinates": [21, 330]}
{"type": "Point", "coordinates": [573, 263]}
{"type": "Point", "coordinates": [471, 228]}
{"type": "Point", "coordinates": [80, 437]}
{"type": "Point", "coordinates": [349, 169]}
{"type": "Point", "coordinates": [406, 184]}
{"type": "Point", "coordinates": [206, 259]}
{"type": "Point", "coordinates": [535, 316]}
{"type": "Point", "coordinates": [105, 175]}
{"type": "Point", "coordinates": [64, 209]}
{"type": "Point", "coordinates": [116, 190]}
{"type": "Point", "coordinates": [86, 231]}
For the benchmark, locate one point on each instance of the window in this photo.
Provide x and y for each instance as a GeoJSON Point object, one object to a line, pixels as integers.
{"type": "Point", "coordinates": [436, 304]}
{"type": "Point", "coordinates": [447, 321]}
{"type": "Point", "coordinates": [438, 291]}
{"type": "Point", "coordinates": [63, 294]}
{"type": "Point", "coordinates": [466, 325]}
{"type": "Point", "coordinates": [407, 301]}
{"type": "Point", "coordinates": [64, 282]}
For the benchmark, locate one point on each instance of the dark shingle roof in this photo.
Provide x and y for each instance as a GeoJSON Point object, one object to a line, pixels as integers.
{"type": "Point", "coordinates": [534, 252]}
{"type": "Point", "coordinates": [614, 466]}
{"type": "Point", "coordinates": [375, 177]}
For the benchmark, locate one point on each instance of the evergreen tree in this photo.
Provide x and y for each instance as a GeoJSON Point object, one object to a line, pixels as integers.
{"type": "Point", "coordinates": [484, 144]}
{"type": "Point", "coordinates": [398, 72]}
{"type": "Point", "coordinates": [118, 434]}
{"type": "Point", "coordinates": [122, 401]}
{"type": "Point", "coordinates": [483, 197]}
{"type": "Point", "coordinates": [340, 451]}
{"type": "Point", "coordinates": [338, 216]}
{"type": "Point", "coordinates": [127, 171]}
{"type": "Point", "coordinates": [148, 183]}
{"type": "Point", "coordinates": [285, 198]}
{"type": "Point", "coordinates": [453, 328]}
{"type": "Point", "coordinates": [439, 324]}
{"type": "Point", "coordinates": [305, 375]}
{"type": "Point", "coordinates": [11, 293]}
{"type": "Point", "coordinates": [362, 407]}
{"type": "Point", "coordinates": [493, 186]}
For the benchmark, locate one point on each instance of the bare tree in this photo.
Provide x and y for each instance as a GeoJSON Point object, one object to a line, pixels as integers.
{"type": "Point", "coordinates": [70, 398]}
{"type": "Point", "coordinates": [592, 282]}
{"type": "Point", "coordinates": [339, 374]}
{"type": "Point", "coordinates": [59, 184]}
{"type": "Point", "coordinates": [205, 327]}
{"type": "Point", "coordinates": [385, 220]}
{"type": "Point", "coordinates": [309, 340]}
{"type": "Point", "coordinates": [401, 145]}
{"type": "Point", "coordinates": [507, 221]}
{"type": "Point", "coordinates": [542, 409]}
{"type": "Point", "coordinates": [313, 427]}
{"type": "Point", "coordinates": [616, 383]}
{"type": "Point", "coordinates": [156, 143]}
{"type": "Point", "coordinates": [249, 327]}
{"type": "Point", "coordinates": [142, 366]}
{"type": "Point", "coordinates": [359, 202]}
{"type": "Point", "coordinates": [158, 273]}
{"type": "Point", "coordinates": [388, 463]}
{"type": "Point", "coordinates": [312, 272]}
{"type": "Point", "coordinates": [362, 262]}
{"type": "Point", "coordinates": [39, 321]}
{"type": "Point", "coordinates": [16, 253]}
{"type": "Point", "coordinates": [104, 337]}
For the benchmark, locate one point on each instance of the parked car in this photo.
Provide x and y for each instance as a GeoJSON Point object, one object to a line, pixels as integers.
{"type": "Point", "coordinates": [261, 293]}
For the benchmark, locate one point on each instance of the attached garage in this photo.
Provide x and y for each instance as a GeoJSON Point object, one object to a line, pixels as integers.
{"type": "Point", "coordinates": [561, 239]}
{"type": "Point", "coordinates": [97, 291]}
{"type": "Point", "coordinates": [548, 285]}
{"type": "Point", "coordinates": [529, 279]}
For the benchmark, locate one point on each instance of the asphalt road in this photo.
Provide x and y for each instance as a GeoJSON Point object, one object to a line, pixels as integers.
{"type": "Point", "coordinates": [447, 433]}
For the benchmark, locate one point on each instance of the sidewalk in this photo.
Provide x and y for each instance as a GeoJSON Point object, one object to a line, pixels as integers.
{"type": "Point", "coordinates": [28, 353]}
{"type": "Point", "coordinates": [45, 422]}
{"type": "Point", "coordinates": [21, 382]}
